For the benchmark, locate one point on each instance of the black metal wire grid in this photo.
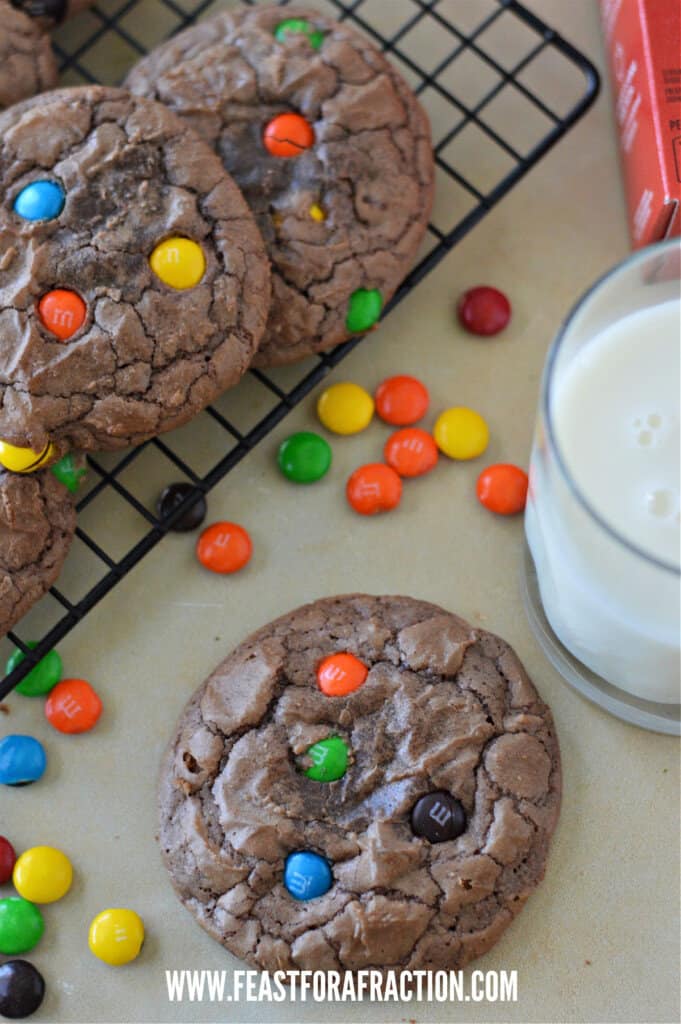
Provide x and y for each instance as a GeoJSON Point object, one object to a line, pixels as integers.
{"type": "Point", "coordinates": [472, 63]}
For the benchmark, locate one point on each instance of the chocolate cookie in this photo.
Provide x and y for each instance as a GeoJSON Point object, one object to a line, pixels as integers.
{"type": "Point", "coordinates": [134, 285]}
{"type": "Point", "coordinates": [366, 782]}
{"type": "Point", "coordinates": [37, 522]}
{"type": "Point", "coordinates": [330, 148]}
{"type": "Point", "coordinates": [49, 13]}
{"type": "Point", "coordinates": [27, 63]}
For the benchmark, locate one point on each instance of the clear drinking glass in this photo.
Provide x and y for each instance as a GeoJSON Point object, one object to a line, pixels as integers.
{"type": "Point", "coordinates": [605, 607]}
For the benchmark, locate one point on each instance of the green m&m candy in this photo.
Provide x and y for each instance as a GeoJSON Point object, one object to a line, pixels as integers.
{"type": "Point", "coordinates": [329, 760]}
{"type": "Point", "coordinates": [42, 678]}
{"type": "Point", "coordinates": [21, 926]}
{"type": "Point", "coordinates": [68, 472]}
{"type": "Point", "coordinates": [299, 26]}
{"type": "Point", "coordinates": [304, 457]}
{"type": "Point", "coordinates": [364, 310]}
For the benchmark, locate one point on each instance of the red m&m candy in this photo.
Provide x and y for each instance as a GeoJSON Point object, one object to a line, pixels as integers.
{"type": "Point", "coordinates": [73, 706]}
{"type": "Point", "coordinates": [411, 452]}
{"type": "Point", "coordinates": [288, 135]}
{"type": "Point", "coordinates": [503, 489]}
{"type": "Point", "coordinates": [484, 310]}
{"type": "Point", "coordinates": [62, 312]}
{"type": "Point", "coordinates": [401, 400]}
{"type": "Point", "coordinates": [341, 674]}
{"type": "Point", "coordinates": [7, 860]}
{"type": "Point", "coordinates": [224, 547]}
{"type": "Point", "coordinates": [374, 488]}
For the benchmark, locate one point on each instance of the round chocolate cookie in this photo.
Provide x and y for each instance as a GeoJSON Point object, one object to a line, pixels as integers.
{"type": "Point", "coordinates": [49, 13]}
{"type": "Point", "coordinates": [332, 152]}
{"type": "Point", "coordinates": [27, 63]}
{"type": "Point", "coordinates": [134, 285]}
{"type": "Point", "coordinates": [37, 522]}
{"type": "Point", "coordinates": [366, 782]}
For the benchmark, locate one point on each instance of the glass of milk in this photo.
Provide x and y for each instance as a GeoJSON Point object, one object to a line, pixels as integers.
{"type": "Point", "coordinates": [603, 517]}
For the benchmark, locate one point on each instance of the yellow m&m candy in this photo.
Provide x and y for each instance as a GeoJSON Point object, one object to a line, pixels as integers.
{"type": "Point", "coordinates": [116, 936]}
{"type": "Point", "coordinates": [461, 433]}
{"type": "Point", "coordinates": [24, 460]}
{"type": "Point", "coordinates": [178, 262]}
{"type": "Point", "coordinates": [42, 874]}
{"type": "Point", "coordinates": [345, 408]}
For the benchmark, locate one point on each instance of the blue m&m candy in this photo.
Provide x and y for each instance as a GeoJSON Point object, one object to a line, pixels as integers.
{"type": "Point", "coordinates": [22, 760]}
{"type": "Point", "coordinates": [41, 200]}
{"type": "Point", "coordinates": [307, 875]}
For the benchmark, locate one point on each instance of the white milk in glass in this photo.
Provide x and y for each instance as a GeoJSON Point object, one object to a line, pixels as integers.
{"type": "Point", "coordinates": [608, 573]}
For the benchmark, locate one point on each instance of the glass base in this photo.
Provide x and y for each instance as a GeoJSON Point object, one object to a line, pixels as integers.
{"type": "Point", "coordinates": [647, 714]}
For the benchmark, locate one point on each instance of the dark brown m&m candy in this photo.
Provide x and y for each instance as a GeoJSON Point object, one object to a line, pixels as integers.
{"type": "Point", "coordinates": [174, 495]}
{"type": "Point", "coordinates": [22, 989]}
{"type": "Point", "coordinates": [438, 817]}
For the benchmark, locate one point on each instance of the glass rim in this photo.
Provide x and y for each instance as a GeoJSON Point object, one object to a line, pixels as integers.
{"type": "Point", "coordinates": [658, 248]}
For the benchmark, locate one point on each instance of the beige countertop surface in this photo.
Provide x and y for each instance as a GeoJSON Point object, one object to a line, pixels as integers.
{"type": "Point", "coordinates": [599, 939]}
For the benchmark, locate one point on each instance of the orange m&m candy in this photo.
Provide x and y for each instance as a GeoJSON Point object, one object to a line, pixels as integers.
{"type": "Point", "coordinates": [503, 489]}
{"type": "Point", "coordinates": [411, 452]}
{"type": "Point", "coordinates": [288, 135]}
{"type": "Point", "coordinates": [401, 400]}
{"type": "Point", "coordinates": [224, 547]}
{"type": "Point", "coordinates": [374, 488]}
{"type": "Point", "coordinates": [62, 312]}
{"type": "Point", "coordinates": [73, 706]}
{"type": "Point", "coordinates": [340, 674]}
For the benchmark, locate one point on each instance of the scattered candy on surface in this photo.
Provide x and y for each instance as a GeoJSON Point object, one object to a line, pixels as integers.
{"type": "Point", "coordinates": [364, 310]}
{"type": "Point", "coordinates": [402, 400]}
{"type": "Point", "coordinates": [172, 496]}
{"type": "Point", "coordinates": [317, 213]}
{"type": "Point", "coordinates": [116, 936]}
{"type": "Point", "coordinates": [341, 674]}
{"type": "Point", "coordinates": [73, 706]}
{"type": "Point", "coordinates": [21, 926]}
{"type": "Point", "coordinates": [68, 472]}
{"type": "Point", "coordinates": [22, 760]}
{"type": "Point", "coordinates": [41, 200]}
{"type": "Point", "coordinates": [304, 457]}
{"type": "Point", "coordinates": [288, 135]}
{"type": "Point", "coordinates": [307, 875]}
{"type": "Point", "coordinates": [224, 547]}
{"type": "Point", "coordinates": [178, 262]}
{"type": "Point", "coordinates": [62, 312]}
{"type": "Point", "coordinates": [411, 452]}
{"type": "Point", "coordinates": [299, 26]}
{"type": "Point", "coordinates": [438, 817]}
{"type": "Point", "coordinates": [484, 310]}
{"type": "Point", "coordinates": [461, 433]}
{"type": "Point", "coordinates": [374, 488]}
{"type": "Point", "coordinates": [42, 874]}
{"type": "Point", "coordinates": [345, 408]}
{"type": "Point", "coordinates": [503, 489]}
{"type": "Point", "coordinates": [22, 989]}
{"type": "Point", "coordinates": [329, 759]}
{"type": "Point", "coordinates": [7, 860]}
{"type": "Point", "coordinates": [24, 460]}
{"type": "Point", "coordinates": [42, 677]}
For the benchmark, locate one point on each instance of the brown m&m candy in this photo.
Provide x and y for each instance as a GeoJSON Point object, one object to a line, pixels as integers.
{"type": "Point", "coordinates": [438, 817]}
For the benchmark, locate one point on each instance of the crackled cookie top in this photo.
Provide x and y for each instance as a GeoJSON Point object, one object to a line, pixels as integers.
{"type": "Point", "coordinates": [37, 522]}
{"type": "Point", "coordinates": [330, 148]}
{"type": "Point", "coordinates": [27, 64]}
{"type": "Point", "coordinates": [134, 285]}
{"type": "Point", "coordinates": [367, 781]}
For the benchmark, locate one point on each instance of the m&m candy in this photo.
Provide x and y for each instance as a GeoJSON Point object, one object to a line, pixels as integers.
{"type": "Point", "coordinates": [21, 926]}
{"type": "Point", "coordinates": [116, 936]}
{"type": "Point", "coordinates": [402, 400]}
{"type": "Point", "coordinates": [329, 759]}
{"type": "Point", "coordinates": [438, 817]}
{"type": "Point", "coordinates": [172, 496]}
{"type": "Point", "coordinates": [7, 860]}
{"type": "Point", "coordinates": [411, 452]}
{"type": "Point", "coordinates": [374, 488]}
{"type": "Point", "coordinates": [484, 310]}
{"type": "Point", "coordinates": [341, 674]}
{"type": "Point", "coordinates": [22, 989]}
{"type": "Point", "coordinates": [42, 874]}
{"type": "Point", "coordinates": [42, 677]}
{"type": "Point", "coordinates": [41, 200]}
{"type": "Point", "coordinates": [62, 312]}
{"type": "Point", "coordinates": [461, 433]}
{"type": "Point", "coordinates": [24, 460]}
{"type": "Point", "coordinates": [68, 472]}
{"type": "Point", "coordinates": [345, 408]}
{"type": "Point", "coordinates": [307, 875]}
{"type": "Point", "coordinates": [288, 135]}
{"type": "Point", "coordinates": [22, 760]}
{"type": "Point", "coordinates": [304, 457]}
{"type": "Point", "coordinates": [73, 706]}
{"type": "Point", "coordinates": [296, 27]}
{"type": "Point", "coordinates": [224, 547]}
{"type": "Point", "coordinates": [364, 310]}
{"type": "Point", "coordinates": [503, 489]}
{"type": "Point", "coordinates": [178, 262]}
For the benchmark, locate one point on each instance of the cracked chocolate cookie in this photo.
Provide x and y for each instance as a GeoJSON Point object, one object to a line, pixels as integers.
{"type": "Point", "coordinates": [365, 782]}
{"type": "Point", "coordinates": [27, 63]}
{"type": "Point", "coordinates": [49, 13]}
{"type": "Point", "coordinates": [37, 522]}
{"type": "Point", "coordinates": [332, 152]}
{"type": "Point", "coordinates": [134, 285]}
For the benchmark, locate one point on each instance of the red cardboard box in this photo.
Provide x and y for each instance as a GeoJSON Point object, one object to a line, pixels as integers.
{"type": "Point", "coordinates": [644, 45]}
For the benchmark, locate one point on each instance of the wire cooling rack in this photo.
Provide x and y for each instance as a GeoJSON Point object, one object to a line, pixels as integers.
{"type": "Point", "coordinates": [478, 66]}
